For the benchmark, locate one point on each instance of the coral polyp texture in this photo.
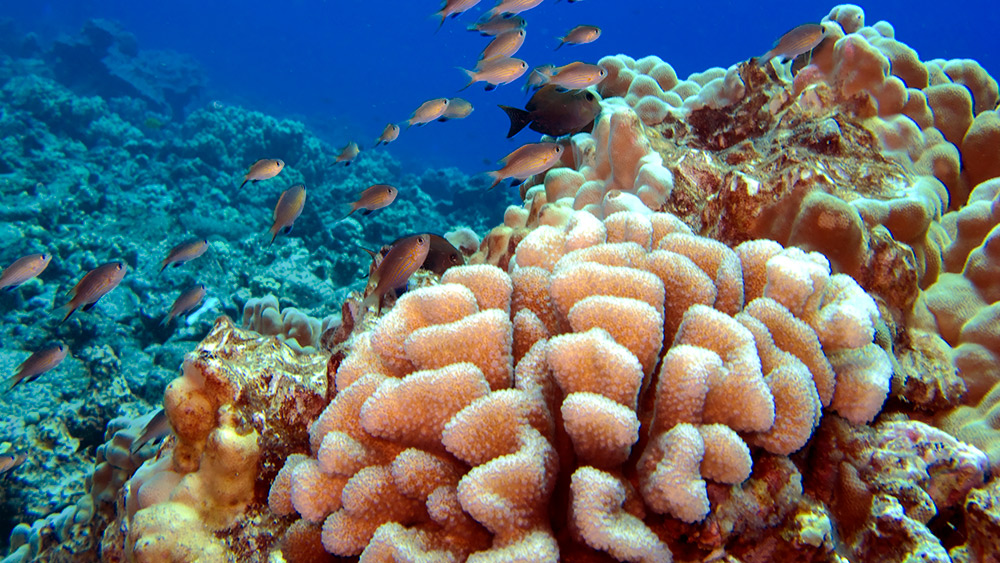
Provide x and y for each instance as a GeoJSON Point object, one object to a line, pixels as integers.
{"type": "Point", "coordinates": [751, 316]}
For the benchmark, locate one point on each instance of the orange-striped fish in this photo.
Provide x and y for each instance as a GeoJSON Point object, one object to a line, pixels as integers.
{"type": "Point", "coordinates": [494, 72]}
{"type": "Point", "coordinates": [454, 8]}
{"type": "Point", "coordinates": [184, 303]}
{"type": "Point", "coordinates": [580, 35]}
{"type": "Point", "coordinates": [427, 112]}
{"type": "Point", "coordinates": [94, 285]}
{"type": "Point", "coordinates": [184, 252]}
{"type": "Point", "coordinates": [504, 45]}
{"type": "Point", "coordinates": [495, 25]}
{"type": "Point", "coordinates": [458, 108]}
{"type": "Point", "coordinates": [512, 7]}
{"type": "Point", "coordinates": [533, 158]}
{"type": "Point", "coordinates": [404, 258]}
{"type": "Point", "coordinates": [441, 256]}
{"type": "Point", "coordinates": [263, 169]}
{"type": "Point", "coordinates": [389, 134]}
{"type": "Point", "coordinates": [578, 75]}
{"type": "Point", "coordinates": [23, 269]}
{"type": "Point", "coordinates": [802, 39]}
{"type": "Point", "coordinates": [374, 198]}
{"type": "Point", "coordinates": [10, 462]}
{"type": "Point", "coordinates": [37, 364]}
{"type": "Point", "coordinates": [287, 210]}
{"type": "Point", "coordinates": [348, 154]}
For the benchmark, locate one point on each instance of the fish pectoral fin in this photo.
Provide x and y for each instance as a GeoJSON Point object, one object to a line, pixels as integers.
{"type": "Point", "coordinates": [490, 87]}
{"type": "Point", "coordinates": [442, 119]}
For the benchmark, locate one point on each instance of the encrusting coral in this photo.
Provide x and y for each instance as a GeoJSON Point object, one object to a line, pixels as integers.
{"type": "Point", "coordinates": [677, 345]}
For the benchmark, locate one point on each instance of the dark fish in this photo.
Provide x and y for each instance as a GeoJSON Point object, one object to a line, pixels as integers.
{"type": "Point", "coordinates": [184, 303]}
{"type": "Point", "coordinates": [9, 462]}
{"type": "Point", "coordinates": [495, 25]}
{"type": "Point", "coordinates": [37, 364]}
{"type": "Point", "coordinates": [184, 252]}
{"type": "Point", "coordinates": [287, 210]}
{"type": "Point", "coordinates": [374, 198]}
{"type": "Point", "coordinates": [555, 111]}
{"type": "Point", "coordinates": [404, 258]}
{"type": "Point", "coordinates": [800, 40]}
{"type": "Point", "coordinates": [263, 169]}
{"type": "Point", "coordinates": [93, 286]}
{"type": "Point", "coordinates": [23, 269]}
{"type": "Point", "coordinates": [158, 427]}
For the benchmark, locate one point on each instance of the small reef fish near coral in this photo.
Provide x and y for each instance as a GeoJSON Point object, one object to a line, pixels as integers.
{"type": "Point", "coordinates": [747, 315]}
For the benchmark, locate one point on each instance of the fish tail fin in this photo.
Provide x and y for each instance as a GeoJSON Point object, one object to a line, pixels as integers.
{"type": "Point", "coordinates": [165, 321]}
{"type": "Point", "coordinates": [497, 178]}
{"type": "Point", "coordinates": [69, 308]}
{"type": "Point", "coordinates": [245, 180]}
{"type": "Point", "coordinates": [274, 235]}
{"type": "Point", "coordinates": [562, 41]}
{"type": "Point", "coordinates": [471, 74]}
{"type": "Point", "coordinates": [519, 119]}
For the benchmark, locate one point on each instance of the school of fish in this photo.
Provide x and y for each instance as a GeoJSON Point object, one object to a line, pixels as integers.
{"type": "Point", "coordinates": [563, 102]}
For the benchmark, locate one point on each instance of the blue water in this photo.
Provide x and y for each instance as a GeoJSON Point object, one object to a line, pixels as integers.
{"type": "Point", "coordinates": [346, 68]}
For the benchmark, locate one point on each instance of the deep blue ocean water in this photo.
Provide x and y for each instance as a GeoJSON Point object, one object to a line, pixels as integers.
{"type": "Point", "coordinates": [346, 68]}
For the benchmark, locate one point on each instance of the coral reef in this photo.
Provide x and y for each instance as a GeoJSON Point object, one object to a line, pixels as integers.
{"type": "Point", "coordinates": [750, 316]}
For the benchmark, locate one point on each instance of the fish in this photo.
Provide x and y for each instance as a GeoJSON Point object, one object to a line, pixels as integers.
{"type": "Point", "coordinates": [348, 153]}
{"type": "Point", "coordinates": [156, 428]}
{"type": "Point", "coordinates": [530, 159]}
{"type": "Point", "coordinates": [389, 134]}
{"type": "Point", "coordinates": [495, 25]}
{"type": "Point", "coordinates": [504, 45]}
{"type": "Point", "coordinates": [374, 198]}
{"type": "Point", "coordinates": [441, 256]}
{"type": "Point", "coordinates": [10, 462]}
{"type": "Point", "coordinates": [25, 268]}
{"type": "Point", "coordinates": [184, 252]}
{"type": "Point", "coordinates": [512, 7]}
{"type": "Point", "coordinates": [287, 210]}
{"type": "Point", "coordinates": [494, 72]}
{"type": "Point", "coordinates": [263, 169]}
{"type": "Point", "coordinates": [801, 39]}
{"type": "Point", "coordinates": [454, 8]}
{"type": "Point", "coordinates": [577, 75]}
{"type": "Point", "coordinates": [539, 76]}
{"type": "Point", "coordinates": [427, 112]}
{"type": "Point", "coordinates": [580, 35]}
{"type": "Point", "coordinates": [555, 111]}
{"type": "Point", "coordinates": [37, 364]}
{"type": "Point", "coordinates": [184, 303]}
{"type": "Point", "coordinates": [404, 258]}
{"type": "Point", "coordinates": [458, 108]}
{"type": "Point", "coordinates": [94, 285]}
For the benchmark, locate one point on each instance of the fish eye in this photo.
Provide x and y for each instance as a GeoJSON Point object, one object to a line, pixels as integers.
{"type": "Point", "coordinates": [45, 256]}
{"type": "Point", "coordinates": [590, 96]}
